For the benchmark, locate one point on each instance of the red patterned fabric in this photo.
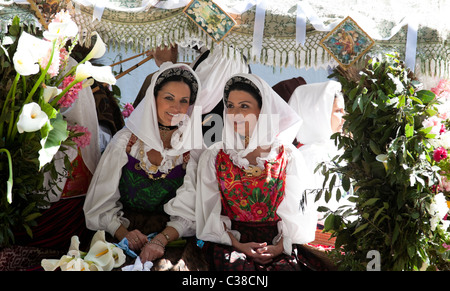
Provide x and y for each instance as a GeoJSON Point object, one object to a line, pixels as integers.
{"type": "Point", "coordinates": [248, 198]}
{"type": "Point", "coordinates": [78, 183]}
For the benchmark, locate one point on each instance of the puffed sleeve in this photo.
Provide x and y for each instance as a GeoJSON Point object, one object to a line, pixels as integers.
{"type": "Point", "coordinates": [181, 208]}
{"type": "Point", "coordinates": [209, 221]}
{"type": "Point", "coordinates": [102, 208]}
{"type": "Point", "coordinates": [298, 224]}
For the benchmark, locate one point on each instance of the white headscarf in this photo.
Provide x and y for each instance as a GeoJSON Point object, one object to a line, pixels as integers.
{"type": "Point", "coordinates": [277, 123]}
{"type": "Point", "coordinates": [213, 72]}
{"type": "Point", "coordinates": [314, 103]}
{"type": "Point", "coordinates": [143, 122]}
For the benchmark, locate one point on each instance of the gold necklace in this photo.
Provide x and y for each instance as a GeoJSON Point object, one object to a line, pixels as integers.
{"type": "Point", "coordinates": [165, 131]}
{"type": "Point", "coordinates": [153, 168]}
{"type": "Point", "coordinates": [253, 171]}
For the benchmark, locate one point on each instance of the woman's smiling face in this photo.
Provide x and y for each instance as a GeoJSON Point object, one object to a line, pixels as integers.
{"type": "Point", "coordinates": [172, 102]}
{"type": "Point", "coordinates": [244, 110]}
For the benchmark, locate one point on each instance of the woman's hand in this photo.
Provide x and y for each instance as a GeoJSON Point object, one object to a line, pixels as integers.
{"type": "Point", "coordinates": [153, 249]}
{"type": "Point", "coordinates": [261, 253]}
{"type": "Point", "coordinates": [136, 239]}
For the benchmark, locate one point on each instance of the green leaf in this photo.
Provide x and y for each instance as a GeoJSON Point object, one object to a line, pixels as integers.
{"type": "Point", "coordinates": [346, 183]}
{"type": "Point", "coordinates": [374, 147]}
{"type": "Point", "coordinates": [51, 144]}
{"type": "Point", "coordinates": [426, 96]}
{"type": "Point", "coordinates": [409, 130]}
{"type": "Point", "coordinates": [32, 216]}
{"type": "Point", "coordinates": [369, 202]}
{"type": "Point", "coordinates": [329, 222]}
{"type": "Point", "coordinates": [360, 228]}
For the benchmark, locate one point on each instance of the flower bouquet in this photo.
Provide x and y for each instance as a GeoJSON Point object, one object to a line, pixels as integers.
{"type": "Point", "coordinates": [388, 162]}
{"type": "Point", "coordinates": [102, 256]}
{"type": "Point", "coordinates": [439, 126]}
{"type": "Point", "coordinates": [36, 83]}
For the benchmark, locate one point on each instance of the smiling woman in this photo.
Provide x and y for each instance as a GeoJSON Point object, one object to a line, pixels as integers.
{"type": "Point", "coordinates": [144, 166]}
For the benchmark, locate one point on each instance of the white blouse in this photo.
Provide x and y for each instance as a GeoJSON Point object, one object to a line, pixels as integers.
{"type": "Point", "coordinates": [102, 208]}
{"type": "Point", "coordinates": [297, 226]}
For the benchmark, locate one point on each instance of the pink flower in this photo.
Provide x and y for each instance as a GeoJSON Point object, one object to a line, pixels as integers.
{"type": "Point", "coordinates": [446, 246]}
{"type": "Point", "coordinates": [434, 122]}
{"type": "Point", "coordinates": [445, 184]}
{"type": "Point", "coordinates": [83, 140]}
{"type": "Point", "coordinates": [442, 90]}
{"type": "Point", "coordinates": [62, 17]}
{"type": "Point", "coordinates": [128, 109]}
{"type": "Point", "coordinates": [72, 94]}
{"type": "Point", "coordinates": [439, 154]}
{"type": "Point", "coordinates": [259, 210]}
{"type": "Point", "coordinates": [53, 70]}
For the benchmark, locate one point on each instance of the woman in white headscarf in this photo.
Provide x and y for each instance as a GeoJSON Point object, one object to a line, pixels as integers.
{"type": "Point", "coordinates": [145, 164]}
{"type": "Point", "coordinates": [251, 210]}
{"type": "Point", "coordinates": [321, 106]}
{"type": "Point", "coordinates": [213, 69]}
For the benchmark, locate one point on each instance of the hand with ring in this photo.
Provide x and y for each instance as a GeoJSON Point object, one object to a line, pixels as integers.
{"type": "Point", "coordinates": [136, 239]}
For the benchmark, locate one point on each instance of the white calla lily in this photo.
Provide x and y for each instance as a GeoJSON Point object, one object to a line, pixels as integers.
{"type": "Point", "coordinates": [77, 264]}
{"type": "Point", "coordinates": [102, 74]}
{"type": "Point", "coordinates": [24, 63]}
{"type": "Point", "coordinates": [32, 118]}
{"type": "Point", "coordinates": [36, 47]}
{"type": "Point", "coordinates": [118, 256]}
{"type": "Point", "coordinates": [101, 255]}
{"type": "Point", "coordinates": [51, 265]}
{"type": "Point", "coordinates": [60, 30]}
{"type": "Point", "coordinates": [50, 92]}
{"type": "Point", "coordinates": [98, 50]}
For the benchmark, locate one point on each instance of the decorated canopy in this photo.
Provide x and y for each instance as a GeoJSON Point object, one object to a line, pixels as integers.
{"type": "Point", "coordinates": [277, 33]}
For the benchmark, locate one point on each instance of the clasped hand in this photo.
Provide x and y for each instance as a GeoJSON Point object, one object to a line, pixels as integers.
{"type": "Point", "coordinates": [261, 253]}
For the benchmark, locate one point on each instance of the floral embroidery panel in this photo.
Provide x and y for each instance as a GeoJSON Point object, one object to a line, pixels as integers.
{"type": "Point", "coordinates": [246, 198]}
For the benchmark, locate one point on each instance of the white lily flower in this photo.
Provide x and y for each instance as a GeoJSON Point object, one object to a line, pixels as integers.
{"type": "Point", "coordinates": [98, 50]}
{"type": "Point", "coordinates": [437, 209]}
{"type": "Point", "coordinates": [37, 48]}
{"type": "Point", "coordinates": [77, 264]}
{"type": "Point", "coordinates": [118, 256]}
{"type": "Point", "coordinates": [74, 248]}
{"type": "Point", "coordinates": [51, 265]}
{"type": "Point", "coordinates": [60, 30]}
{"type": "Point", "coordinates": [383, 159]}
{"type": "Point", "coordinates": [24, 64]}
{"type": "Point", "coordinates": [32, 118]}
{"type": "Point", "coordinates": [50, 92]}
{"type": "Point", "coordinates": [101, 255]}
{"type": "Point", "coordinates": [102, 74]}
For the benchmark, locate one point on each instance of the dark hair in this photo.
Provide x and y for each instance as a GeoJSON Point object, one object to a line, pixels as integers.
{"type": "Point", "coordinates": [175, 76]}
{"type": "Point", "coordinates": [243, 86]}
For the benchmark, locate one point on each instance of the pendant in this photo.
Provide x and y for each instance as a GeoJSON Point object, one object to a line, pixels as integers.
{"type": "Point", "coordinates": [153, 168]}
{"type": "Point", "coordinates": [253, 171]}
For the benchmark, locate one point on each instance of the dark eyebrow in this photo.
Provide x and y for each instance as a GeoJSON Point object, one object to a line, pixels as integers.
{"type": "Point", "coordinates": [175, 96]}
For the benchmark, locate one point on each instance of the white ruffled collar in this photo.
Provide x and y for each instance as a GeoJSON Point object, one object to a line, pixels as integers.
{"type": "Point", "coordinates": [242, 162]}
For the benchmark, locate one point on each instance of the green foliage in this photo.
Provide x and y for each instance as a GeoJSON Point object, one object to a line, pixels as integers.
{"type": "Point", "coordinates": [28, 192]}
{"type": "Point", "coordinates": [389, 162]}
